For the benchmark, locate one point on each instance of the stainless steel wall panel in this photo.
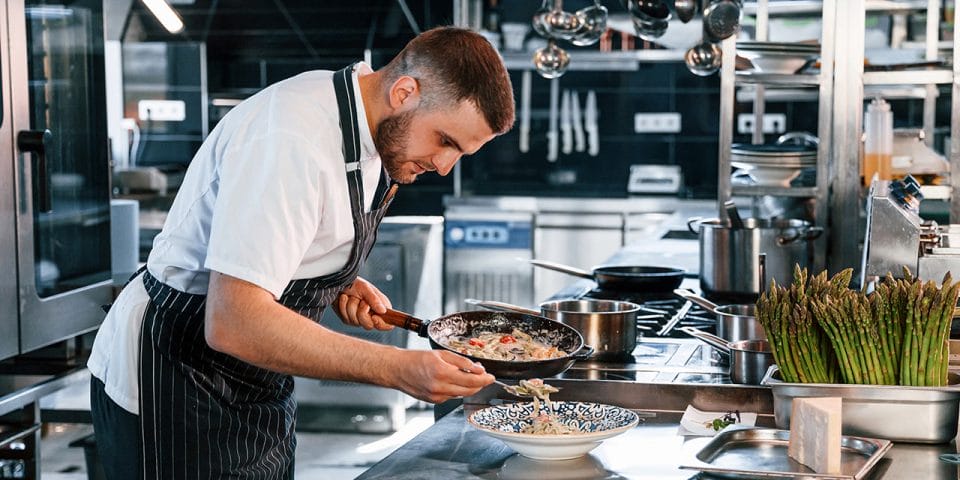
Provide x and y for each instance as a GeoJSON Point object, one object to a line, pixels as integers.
{"type": "Point", "coordinates": [9, 325]}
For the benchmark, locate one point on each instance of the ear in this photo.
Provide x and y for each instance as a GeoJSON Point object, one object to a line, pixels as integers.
{"type": "Point", "coordinates": [404, 93]}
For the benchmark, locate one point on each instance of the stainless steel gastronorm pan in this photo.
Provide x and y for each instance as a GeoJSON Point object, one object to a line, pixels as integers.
{"type": "Point", "coordinates": [897, 413]}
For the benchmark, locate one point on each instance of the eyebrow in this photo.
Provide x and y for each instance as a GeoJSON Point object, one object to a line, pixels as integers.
{"type": "Point", "coordinates": [451, 140]}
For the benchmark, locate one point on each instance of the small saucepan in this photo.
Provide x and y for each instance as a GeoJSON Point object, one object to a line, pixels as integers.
{"type": "Point", "coordinates": [609, 325]}
{"type": "Point", "coordinates": [472, 324]}
{"type": "Point", "coordinates": [749, 359]}
{"type": "Point", "coordinates": [734, 322]}
{"type": "Point", "coordinates": [624, 277]}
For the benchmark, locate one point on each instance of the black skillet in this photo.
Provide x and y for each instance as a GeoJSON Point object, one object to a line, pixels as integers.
{"type": "Point", "coordinates": [641, 279]}
{"type": "Point", "coordinates": [471, 324]}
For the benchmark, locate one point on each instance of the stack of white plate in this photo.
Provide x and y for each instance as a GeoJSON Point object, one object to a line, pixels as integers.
{"type": "Point", "coordinates": [775, 57]}
{"type": "Point", "coordinates": [772, 165]}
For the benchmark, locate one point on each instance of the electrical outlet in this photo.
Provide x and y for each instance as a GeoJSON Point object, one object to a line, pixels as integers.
{"type": "Point", "coordinates": [663, 122]}
{"type": "Point", "coordinates": [162, 110]}
{"type": "Point", "coordinates": [772, 123]}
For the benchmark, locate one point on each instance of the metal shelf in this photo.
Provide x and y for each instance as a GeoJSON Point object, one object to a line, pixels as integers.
{"type": "Point", "coordinates": [805, 7]}
{"type": "Point", "coordinates": [785, 79]}
{"type": "Point", "coordinates": [909, 77]}
{"type": "Point", "coordinates": [759, 190]}
{"type": "Point", "coordinates": [593, 60]}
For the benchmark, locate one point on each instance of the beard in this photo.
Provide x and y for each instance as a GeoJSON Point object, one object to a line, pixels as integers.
{"type": "Point", "coordinates": [391, 142]}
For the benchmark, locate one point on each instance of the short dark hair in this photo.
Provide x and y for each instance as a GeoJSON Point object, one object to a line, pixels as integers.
{"type": "Point", "coordinates": [456, 64]}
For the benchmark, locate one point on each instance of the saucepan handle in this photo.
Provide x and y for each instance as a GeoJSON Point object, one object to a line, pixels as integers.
{"type": "Point", "coordinates": [559, 267]}
{"type": "Point", "coordinates": [809, 234]}
{"type": "Point", "coordinates": [693, 297]}
{"type": "Point", "coordinates": [405, 320]}
{"type": "Point", "coordinates": [694, 220]}
{"type": "Point", "coordinates": [584, 353]}
{"type": "Point", "coordinates": [500, 306]}
{"type": "Point", "coordinates": [710, 339]}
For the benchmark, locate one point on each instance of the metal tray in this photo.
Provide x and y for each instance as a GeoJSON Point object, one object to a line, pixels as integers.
{"type": "Point", "coordinates": [897, 413]}
{"type": "Point", "coordinates": [761, 453]}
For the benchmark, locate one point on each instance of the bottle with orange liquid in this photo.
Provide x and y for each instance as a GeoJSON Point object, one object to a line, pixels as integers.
{"type": "Point", "coordinates": [878, 145]}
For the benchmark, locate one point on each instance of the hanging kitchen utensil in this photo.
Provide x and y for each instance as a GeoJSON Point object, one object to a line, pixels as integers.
{"type": "Point", "coordinates": [593, 22]}
{"type": "Point", "coordinates": [469, 324]}
{"type": "Point", "coordinates": [721, 18]}
{"type": "Point", "coordinates": [650, 18]}
{"type": "Point", "coordinates": [641, 279]}
{"type": "Point", "coordinates": [551, 61]}
{"type": "Point", "coordinates": [590, 124]}
{"type": "Point", "coordinates": [686, 9]}
{"type": "Point", "coordinates": [556, 22]}
{"type": "Point", "coordinates": [704, 59]}
{"type": "Point", "coordinates": [539, 20]}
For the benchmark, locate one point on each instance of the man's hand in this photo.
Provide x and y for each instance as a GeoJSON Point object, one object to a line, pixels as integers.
{"type": "Point", "coordinates": [359, 305]}
{"type": "Point", "coordinates": [438, 375]}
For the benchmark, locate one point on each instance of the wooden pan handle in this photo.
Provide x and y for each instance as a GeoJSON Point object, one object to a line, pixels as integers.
{"type": "Point", "coordinates": [405, 320]}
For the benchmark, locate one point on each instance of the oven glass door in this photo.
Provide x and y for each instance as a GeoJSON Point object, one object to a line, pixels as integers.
{"type": "Point", "coordinates": [64, 226]}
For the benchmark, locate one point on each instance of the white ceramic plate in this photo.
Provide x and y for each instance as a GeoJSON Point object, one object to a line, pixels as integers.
{"type": "Point", "coordinates": [595, 421]}
{"type": "Point", "coordinates": [770, 176]}
{"type": "Point", "coordinates": [775, 61]}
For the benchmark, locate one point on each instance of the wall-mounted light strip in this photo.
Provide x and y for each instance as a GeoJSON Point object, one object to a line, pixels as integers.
{"type": "Point", "coordinates": [167, 16]}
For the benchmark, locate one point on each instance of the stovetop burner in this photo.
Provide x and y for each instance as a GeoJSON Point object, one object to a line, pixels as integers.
{"type": "Point", "coordinates": [657, 310]}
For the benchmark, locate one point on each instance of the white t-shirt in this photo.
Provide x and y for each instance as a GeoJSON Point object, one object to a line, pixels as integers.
{"type": "Point", "coordinates": [265, 200]}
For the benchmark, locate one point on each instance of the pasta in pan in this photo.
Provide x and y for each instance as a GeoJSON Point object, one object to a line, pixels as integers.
{"type": "Point", "coordinates": [516, 346]}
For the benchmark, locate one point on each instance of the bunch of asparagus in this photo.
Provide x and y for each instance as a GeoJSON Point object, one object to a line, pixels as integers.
{"type": "Point", "coordinates": [822, 332]}
{"type": "Point", "coordinates": [801, 348]}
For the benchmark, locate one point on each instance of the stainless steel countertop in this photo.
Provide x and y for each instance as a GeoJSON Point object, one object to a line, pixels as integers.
{"type": "Point", "coordinates": [452, 448]}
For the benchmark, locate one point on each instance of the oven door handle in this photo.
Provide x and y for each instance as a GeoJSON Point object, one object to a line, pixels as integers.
{"type": "Point", "coordinates": [35, 142]}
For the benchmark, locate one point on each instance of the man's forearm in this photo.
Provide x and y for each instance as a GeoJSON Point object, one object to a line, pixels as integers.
{"type": "Point", "coordinates": [244, 321]}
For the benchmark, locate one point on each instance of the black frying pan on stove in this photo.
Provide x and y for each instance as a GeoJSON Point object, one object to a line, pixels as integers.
{"type": "Point", "coordinates": [626, 278]}
{"type": "Point", "coordinates": [472, 324]}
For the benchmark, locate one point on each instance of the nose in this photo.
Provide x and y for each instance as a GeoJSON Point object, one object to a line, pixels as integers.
{"type": "Point", "coordinates": [444, 163]}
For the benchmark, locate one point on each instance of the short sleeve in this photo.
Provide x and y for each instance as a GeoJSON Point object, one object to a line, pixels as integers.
{"type": "Point", "coordinates": [267, 209]}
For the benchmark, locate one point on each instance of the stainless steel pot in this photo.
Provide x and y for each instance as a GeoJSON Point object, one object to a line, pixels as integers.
{"type": "Point", "coordinates": [609, 325]}
{"type": "Point", "coordinates": [729, 266]}
{"type": "Point", "coordinates": [734, 322]}
{"type": "Point", "coordinates": [749, 359]}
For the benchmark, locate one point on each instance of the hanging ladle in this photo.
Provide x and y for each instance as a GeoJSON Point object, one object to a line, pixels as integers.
{"type": "Point", "coordinates": [686, 9]}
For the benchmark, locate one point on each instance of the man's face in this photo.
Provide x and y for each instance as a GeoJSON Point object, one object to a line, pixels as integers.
{"type": "Point", "coordinates": [419, 140]}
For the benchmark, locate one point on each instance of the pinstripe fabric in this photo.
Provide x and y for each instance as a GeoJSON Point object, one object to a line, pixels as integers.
{"type": "Point", "coordinates": [205, 414]}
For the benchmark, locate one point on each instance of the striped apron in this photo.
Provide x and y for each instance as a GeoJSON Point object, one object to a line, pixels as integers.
{"type": "Point", "coordinates": [205, 414]}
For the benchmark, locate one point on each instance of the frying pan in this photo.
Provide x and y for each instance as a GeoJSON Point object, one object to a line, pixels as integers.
{"type": "Point", "coordinates": [470, 324]}
{"type": "Point", "coordinates": [623, 277]}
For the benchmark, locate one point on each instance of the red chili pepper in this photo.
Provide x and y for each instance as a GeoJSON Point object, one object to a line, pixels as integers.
{"type": "Point", "coordinates": [508, 339]}
{"type": "Point", "coordinates": [475, 342]}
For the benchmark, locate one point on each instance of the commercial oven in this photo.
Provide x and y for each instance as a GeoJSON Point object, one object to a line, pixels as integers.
{"type": "Point", "coordinates": [54, 173]}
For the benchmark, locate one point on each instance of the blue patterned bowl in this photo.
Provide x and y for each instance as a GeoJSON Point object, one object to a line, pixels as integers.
{"type": "Point", "coordinates": [595, 422]}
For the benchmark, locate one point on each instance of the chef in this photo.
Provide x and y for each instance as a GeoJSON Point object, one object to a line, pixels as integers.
{"type": "Point", "coordinates": [278, 210]}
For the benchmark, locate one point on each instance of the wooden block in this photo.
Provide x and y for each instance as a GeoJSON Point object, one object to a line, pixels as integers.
{"type": "Point", "coordinates": [815, 429]}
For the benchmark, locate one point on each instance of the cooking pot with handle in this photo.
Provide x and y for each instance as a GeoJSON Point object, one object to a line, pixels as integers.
{"type": "Point", "coordinates": [729, 266]}
{"type": "Point", "coordinates": [609, 325]}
